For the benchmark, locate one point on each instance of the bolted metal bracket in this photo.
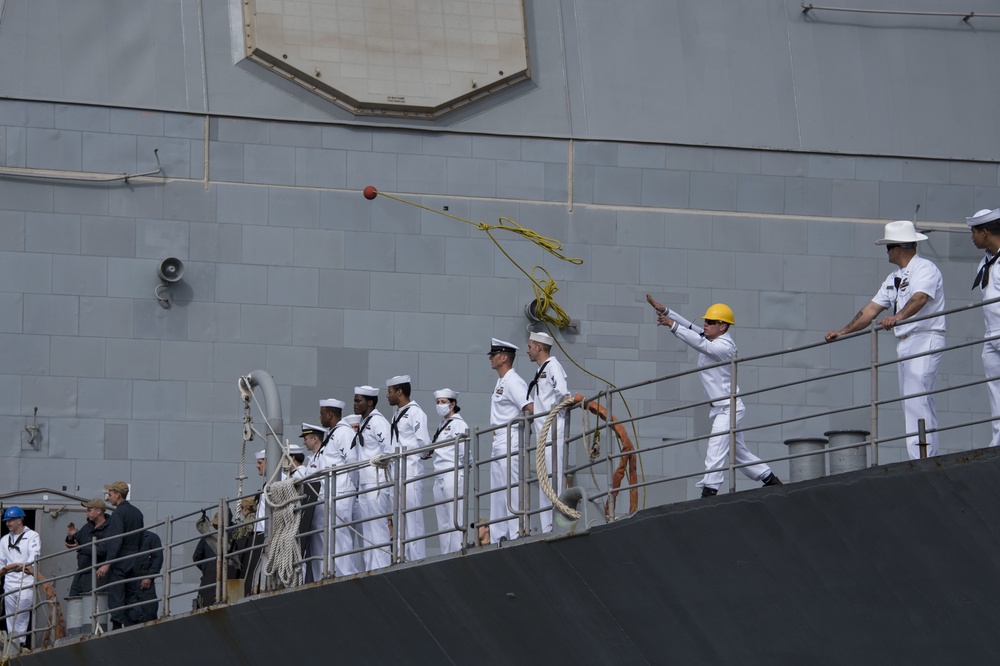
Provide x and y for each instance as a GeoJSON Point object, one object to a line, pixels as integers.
{"type": "Point", "coordinates": [33, 442]}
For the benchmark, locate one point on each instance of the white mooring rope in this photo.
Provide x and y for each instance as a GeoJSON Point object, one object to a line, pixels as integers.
{"type": "Point", "coordinates": [541, 469]}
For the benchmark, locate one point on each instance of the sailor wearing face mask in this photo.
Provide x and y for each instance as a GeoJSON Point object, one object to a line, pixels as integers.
{"type": "Point", "coordinates": [449, 484]}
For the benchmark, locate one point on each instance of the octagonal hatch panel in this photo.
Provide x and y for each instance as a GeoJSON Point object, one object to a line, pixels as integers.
{"type": "Point", "coordinates": [402, 58]}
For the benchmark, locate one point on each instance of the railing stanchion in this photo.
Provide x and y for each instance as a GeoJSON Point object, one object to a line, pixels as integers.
{"type": "Point", "coordinates": [874, 396]}
{"type": "Point", "coordinates": [167, 564]}
{"type": "Point", "coordinates": [922, 437]}
{"type": "Point", "coordinates": [329, 502]}
{"type": "Point", "coordinates": [399, 509]}
{"type": "Point", "coordinates": [220, 547]}
{"type": "Point", "coordinates": [93, 584]}
{"type": "Point", "coordinates": [609, 433]}
{"type": "Point", "coordinates": [477, 503]}
{"type": "Point", "coordinates": [732, 424]}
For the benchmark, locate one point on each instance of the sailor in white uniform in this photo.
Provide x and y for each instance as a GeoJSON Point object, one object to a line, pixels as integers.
{"type": "Point", "coordinates": [509, 401]}
{"type": "Point", "coordinates": [19, 549]}
{"type": "Point", "coordinates": [260, 524]}
{"type": "Point", "coordinates": [408, 431]}
{"type": "Point", "coordinates": [298, 470]}
{"type": "Point", "coordinates": [986, 236]}
{"type": "Point", "coordinates": [915, 288]}
{"type": "Point", "coordinates": [449, 463]}
{"type": "Point", "coordinates": [546, 390]}
{"type": "Point", "coordinates": [339, 453]}
{"type": "Point", "coordinates": [372, 439]}
{"type": "Point", "coordinates": [714, 345]}
{"type": "Point", "coordinates": [314, 436]}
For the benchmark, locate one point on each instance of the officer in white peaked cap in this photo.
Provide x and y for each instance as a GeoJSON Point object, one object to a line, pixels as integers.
{"type": "Point", "coordinates": [509, 401]}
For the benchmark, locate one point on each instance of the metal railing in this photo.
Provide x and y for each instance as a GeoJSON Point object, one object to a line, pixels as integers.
{"type": "Point", "coordinates": [230, 557]}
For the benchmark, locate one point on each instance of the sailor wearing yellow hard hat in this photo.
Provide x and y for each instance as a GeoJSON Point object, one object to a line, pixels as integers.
{"type": "Point", "coordinates": [715, 345]}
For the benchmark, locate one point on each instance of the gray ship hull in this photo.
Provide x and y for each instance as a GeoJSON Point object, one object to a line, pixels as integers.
{"type": "Point", "coordinates": [892, 564]}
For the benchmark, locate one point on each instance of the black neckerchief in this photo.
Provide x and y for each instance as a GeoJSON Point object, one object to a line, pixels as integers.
{"type": "Point", "coordinates": [534, 382]}
{"type": "Point", "coordinates": [394, 426]}
{"type": "Point", "coordinates": [359, 438]}
{"type": "Point", "coordinates": [984, 273]}
{"type": "Point", "coordinates": [11, 544]}
{"type": "Point", "coordinates": [444, 424]}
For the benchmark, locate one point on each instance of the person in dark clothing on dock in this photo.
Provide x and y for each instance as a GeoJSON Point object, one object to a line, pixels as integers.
{"type": "Point", "coordinates": [93, 530]}
{"type": "Point", "coordinates": [125, 524]}
{"type": "Point", "coordinates": [150, 562]}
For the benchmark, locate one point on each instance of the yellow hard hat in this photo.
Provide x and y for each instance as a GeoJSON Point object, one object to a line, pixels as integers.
{"type": "Point", "coordinates": [721, 312]}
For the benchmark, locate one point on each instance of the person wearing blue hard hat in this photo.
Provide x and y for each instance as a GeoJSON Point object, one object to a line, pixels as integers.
{"type": "Point", "coordinates": [18, 551]}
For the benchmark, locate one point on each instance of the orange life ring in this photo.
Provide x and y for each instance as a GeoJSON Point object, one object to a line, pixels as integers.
{"type": "Point", "coordinates": [626, 464]}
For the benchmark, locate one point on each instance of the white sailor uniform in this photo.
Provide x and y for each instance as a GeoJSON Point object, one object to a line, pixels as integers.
{"type": "Point", "coordinates": [917, 375]}
{"type": "Point", "coordinates": [716, 383]}
{"type": "Point", "coordinates": [989, 280]}
{"type": "Point", "coordinates": [449, 484]}
{"type": "Point", "coordinates": [318, 461]}
{"type": "Point", "coordinates": [340, 453]}
{"type": "Point", "coordinates": [509, 399]}
{"type": "Point", "coordinates": [409, 431]}
{"type": "Point", "coordinates": [547, 390]}
{"type": "Point", "coordinates": [19, 595]}
{"type": "Point", "coordinates": [372, 439]}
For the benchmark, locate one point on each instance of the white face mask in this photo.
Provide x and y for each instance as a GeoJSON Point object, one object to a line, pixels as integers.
{"type": "Point", "coordinates": [443, 410]}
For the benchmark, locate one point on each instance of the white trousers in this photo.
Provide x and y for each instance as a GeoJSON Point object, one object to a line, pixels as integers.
{"type": "Point", "coordinates": [551, 447]}
{"type": "Point", "coordinates": [18, 600]}
{"type": "Point", "coordinates": [916, 376]}
{"type": "Point", "coordinates": [374, 530]}
{"type": "Point", "coordinates": [343, 537]}
{"type": "Point", "coordinates": [498, 499]}
{"type": "Point", "coordinates": [446, 490]}
{"type": "Point", "coordinates": [717, 456]}
{"type": "Point", "coordinates": [415, 550]}
{"type": "Point", "coordinates": [991, 366]}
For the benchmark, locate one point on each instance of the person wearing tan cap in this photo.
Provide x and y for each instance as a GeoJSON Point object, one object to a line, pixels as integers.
{"type": "Point", "coordinates": [93, 530]}
{"type": "Point", "coordinates": [985, 227]}
{"type": "Point", "coordinates": [126, 524]}
{"type": "Point", "coordinates": [914, 289]}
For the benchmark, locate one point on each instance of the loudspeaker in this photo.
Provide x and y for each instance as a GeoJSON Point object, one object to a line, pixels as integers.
{"type": "Point", "coordinates": [171, 269]}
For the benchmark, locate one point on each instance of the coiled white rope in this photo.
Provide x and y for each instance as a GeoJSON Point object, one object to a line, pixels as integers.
{"type": "Point", "coordinates": [383, 462]}
{"type": "Point", "coordinates": [541, 469]}
{"type": "Point", "coordinates": [283, 550]}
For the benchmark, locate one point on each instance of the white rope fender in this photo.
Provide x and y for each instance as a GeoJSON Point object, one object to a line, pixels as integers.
{"type": "Point", "coordinates": [541, 469]}
{"type": "Point", "coordinates": [382, 461]}
{"type": "Point", "coordinates": [283, 549]}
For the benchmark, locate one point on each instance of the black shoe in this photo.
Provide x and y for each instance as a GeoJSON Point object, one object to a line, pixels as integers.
{"type": "Point", "coordinates": [709, 492]}
{"type": "Point", "coordinates": [500, 541]}
{"type": "Point", "coordinates": [772, 480]}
